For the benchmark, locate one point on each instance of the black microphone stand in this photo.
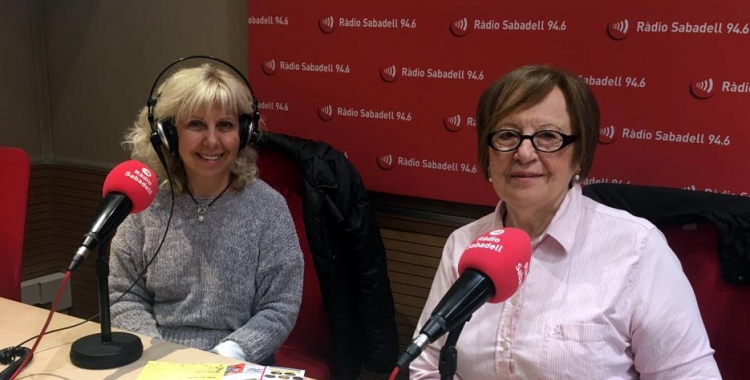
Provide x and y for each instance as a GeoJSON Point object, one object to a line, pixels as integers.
{"type": "Point", "coordinates": [449, 354]}
{"type": "Point", "coordinates": [107, 349]}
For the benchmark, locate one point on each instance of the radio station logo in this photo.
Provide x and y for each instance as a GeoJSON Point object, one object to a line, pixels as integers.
{"type": "Point", "coordinates": [325, 113]}
{"type": "Point", "coordinates": [385, 162]}
{"type": "Point", "coordinates": [269, 67]}
{"type": "Point", "coordinates": [452, 123]}
{"type": "Point", "coordinates": [619, 30]}
{"type": "Point", "coordinates": [592, 180]}
{"type": "Point", "coordinates": [735, 87]}
{"type": "Point", "coordinates": [460, 28]}
{"type": "Point", "coordinates": [327, 25]}
{"type": "Point", "coordinates": [690, 187]}
{"type": "Point", "coordinates": [607, 135]}
{"type": "Point", "coordinates": [389, 74]}
{"type": "Point", "coordinates": [267, 20]}
{"type": "Point", "coordinates": [703, 89]}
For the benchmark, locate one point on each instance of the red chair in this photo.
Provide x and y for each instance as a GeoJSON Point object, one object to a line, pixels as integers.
{"type": "Point", "coordinates": [14, 179]}
{"type": "Point", "coordinates": [308, 346]}
{"type": "Point", "coordinates": [725, 308]}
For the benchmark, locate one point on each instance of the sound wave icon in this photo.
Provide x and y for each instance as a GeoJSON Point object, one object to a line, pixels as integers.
{"type": "Point", "coordinates": [703, 89]}
{"type": "Point", "coordinates": [325, 113]}
{"type": "Point", "coordinates": [607, 135]}
{"type": "Point", "coordinates": [389, 74]}
{"type": "Point", "coordinates": [327, 25]}
{"type": "Point", "coordinates": [385, 162]}
{"type": "Point", "coordinates": [619, 30]}
{"type": "Point", "coordinates": [452, 123]}
{"type": "Point", "coordinates": [269, 67]}
{"type": "Point", "coordinates": [459, 28]}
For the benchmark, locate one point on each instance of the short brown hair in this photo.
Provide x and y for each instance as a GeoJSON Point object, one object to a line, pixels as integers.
{"type": "Point", "coordinates": [527, 86]}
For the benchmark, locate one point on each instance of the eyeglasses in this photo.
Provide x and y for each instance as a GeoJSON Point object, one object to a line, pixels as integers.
{"type": "Point", "coordinates": [508, 140]}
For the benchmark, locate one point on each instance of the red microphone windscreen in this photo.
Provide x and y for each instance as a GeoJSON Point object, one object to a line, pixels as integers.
{"type": "Point", "coordinates": [504, 256]}
{"type": "Point", "coordinates": [134, 179]}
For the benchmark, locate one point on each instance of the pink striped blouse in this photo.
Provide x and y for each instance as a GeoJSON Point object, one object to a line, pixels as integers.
{"type": "Point", "coordinates": [606, 298]}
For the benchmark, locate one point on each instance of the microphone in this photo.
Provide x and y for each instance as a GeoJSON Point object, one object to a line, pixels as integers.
{"type": "Point", "coordinates": [129, 188]}
{"type": "Point", "coordinates": [492, 267]}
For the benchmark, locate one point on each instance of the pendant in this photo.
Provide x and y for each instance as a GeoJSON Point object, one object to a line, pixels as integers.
{"type": "Point", "coordinates": [201, 212]}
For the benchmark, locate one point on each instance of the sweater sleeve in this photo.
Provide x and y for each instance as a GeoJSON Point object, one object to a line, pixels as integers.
{"type": "Point", "coordinates": [134, 312]}
{"type": "Point", "coordinates": [278, 283]}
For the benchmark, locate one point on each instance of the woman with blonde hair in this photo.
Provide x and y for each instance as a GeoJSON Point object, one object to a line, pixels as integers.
{"type": "Point", "coordinates": [228, 277]}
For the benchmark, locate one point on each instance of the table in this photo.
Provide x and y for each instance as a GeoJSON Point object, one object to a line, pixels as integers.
{"type": "Point", "coordinates": [19, 322]}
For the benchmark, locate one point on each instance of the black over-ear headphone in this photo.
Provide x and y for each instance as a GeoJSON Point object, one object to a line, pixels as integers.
{"type": "Point", "coordinates": [164, 132]}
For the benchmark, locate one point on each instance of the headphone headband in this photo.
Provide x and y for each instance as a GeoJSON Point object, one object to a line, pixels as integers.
{"type": "Point", "coordinates": [165, 132]}
{"type": "Point", "coordinates": [151, 102]}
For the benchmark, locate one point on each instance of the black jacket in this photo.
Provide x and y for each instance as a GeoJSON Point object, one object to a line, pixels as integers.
{"type": "Point", "coordinates": [665, 206]}
{"type": "Point", "coordinates": [349, 256]}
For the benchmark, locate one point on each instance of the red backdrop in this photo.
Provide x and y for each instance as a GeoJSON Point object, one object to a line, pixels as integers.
{"type": "Point", "coordinates": [395, 84]}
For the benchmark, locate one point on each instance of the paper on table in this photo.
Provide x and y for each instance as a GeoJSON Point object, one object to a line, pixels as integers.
{"type": "Point", "coordinates": [247, 371]}
{"type": "Point", "coordinates": [155, 370]}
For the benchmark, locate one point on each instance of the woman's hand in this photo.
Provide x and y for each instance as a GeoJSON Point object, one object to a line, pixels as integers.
{"type": "Point", "coordinates": [229, 349]}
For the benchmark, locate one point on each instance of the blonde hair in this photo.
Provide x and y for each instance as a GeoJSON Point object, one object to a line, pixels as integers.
{"type": "Point", "coordinates": [183, 93]}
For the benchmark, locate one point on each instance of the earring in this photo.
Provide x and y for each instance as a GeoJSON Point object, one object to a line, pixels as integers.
{"type": "Point", "coordinates": [576, 177]}
{"type": "Point", "coordinates": [489, 179]}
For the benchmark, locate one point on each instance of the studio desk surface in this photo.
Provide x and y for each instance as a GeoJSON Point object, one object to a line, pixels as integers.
{"type": "Point", "coordinates": [19, 322]}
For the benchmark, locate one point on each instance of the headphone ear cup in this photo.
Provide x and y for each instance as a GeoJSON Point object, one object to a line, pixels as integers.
{"type": "Point", "coordinates": [247, 127]}
{"type": "Point", "coordinates": [168, 134]}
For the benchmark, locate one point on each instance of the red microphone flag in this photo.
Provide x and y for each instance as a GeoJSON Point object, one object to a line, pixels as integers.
{"type": "Point", "coordinates": [503, 255]}
{"type": "Point", "coordinates": [134, 179]}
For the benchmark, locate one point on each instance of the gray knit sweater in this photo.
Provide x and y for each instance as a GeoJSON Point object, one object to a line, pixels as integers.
{"type": "Point", "coordinates": [235, 276]}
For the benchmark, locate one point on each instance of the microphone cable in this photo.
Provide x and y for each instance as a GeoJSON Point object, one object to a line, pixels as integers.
{"type": "Point", "coordinates": [12, 357]}
{"type": "Point", "coordinates": [394, 373]}
{"type": "Point", "coordinates": [26, 353]}
{"type": "Point", "coordinates": [17, 357]}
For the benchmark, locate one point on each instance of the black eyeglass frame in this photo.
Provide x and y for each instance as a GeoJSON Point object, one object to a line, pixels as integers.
{"type": "Point", "coordinates": [566, 140]}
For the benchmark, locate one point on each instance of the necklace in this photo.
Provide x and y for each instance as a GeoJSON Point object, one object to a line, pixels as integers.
{"type": "Point", "coordinates": [202, 209]}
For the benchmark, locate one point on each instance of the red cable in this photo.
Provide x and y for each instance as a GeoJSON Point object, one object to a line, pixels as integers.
{"type": "Point", "coordinates": [394, 373]}
{"type": "Point", "coordinates": [52, 309]}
